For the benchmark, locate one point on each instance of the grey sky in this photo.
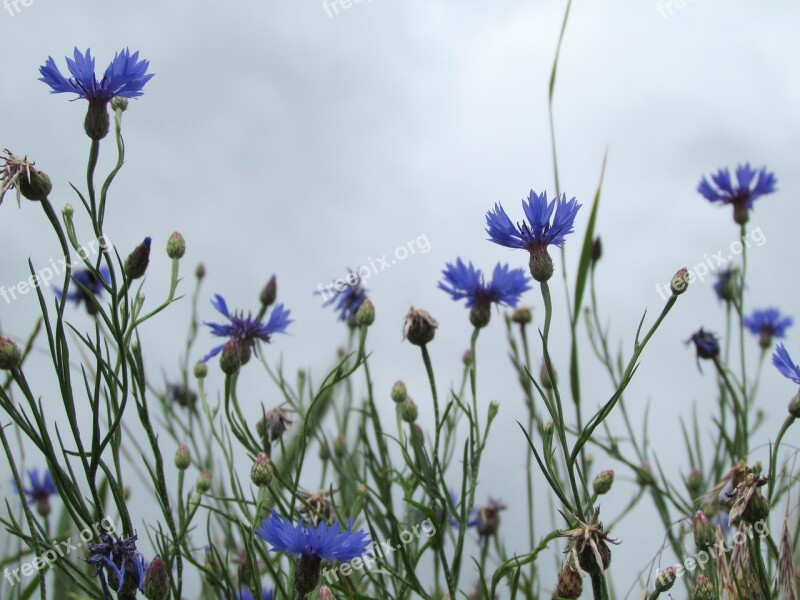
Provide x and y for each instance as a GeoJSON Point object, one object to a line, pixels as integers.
{"type": "Point", "coordinates": [280, 140]}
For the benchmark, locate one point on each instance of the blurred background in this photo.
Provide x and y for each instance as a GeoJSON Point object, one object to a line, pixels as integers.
{"type": "Point", "coordinates": [301, 139]}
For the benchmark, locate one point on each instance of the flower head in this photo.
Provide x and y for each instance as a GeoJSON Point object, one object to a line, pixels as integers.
{"type": "Point", "coordinates": [587, 545]}
{"type": "Point", "coordinates": [548, 224]}
{"type": "Point", "coordinates": [118, 563]}
{"type": "Point", "coordinates": [726, 285]}
{"type": "Point", "coordinates": [39, 490]}
{"type": "Point", "coordinates": [784, 363]}
{"type": "Point", "coordinates": [488, 517]}
{"type": "Point", "coordinates": [768, 324]}
{"type": "Point", "coordinates": [125, 76]}
{"type": "Point", "coordinates": [21, 175]}
{"type": "Point", "coordinates": [706, 344]}
{"type": "Point", "coordinates": [273, 425]}
{"type": "Point", "coordinates": [750, 185]}
{"type": "Point", "coordinates": [465, 281]}
{"type": "Point", "coordinates": [88, 287]}
{"type": "Point", "coordinates": [245, 330]}
{"type": "Point", "coordinates": [347, 299]}
{"type": "Point", "coordinates": [419, 327]}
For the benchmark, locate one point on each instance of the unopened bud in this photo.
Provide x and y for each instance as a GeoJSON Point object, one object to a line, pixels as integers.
{"type": "Point", "coordinates": [183, 458]}
{"type": "Point", "coordinates": [548, 379]}
{"type": "Point", "coordinates": [694, 483]}
{"type": "Point", "coordinates": [466, 358]}
{"type": "Point", "coordinates": [680, 281]}
{"type": "Point", "coordinates": [270, 293]}
{"type": "Point", "coordinates": [10, 356]}
{"type": "Point", "coordinates": [203, 483]}
{"type": "Point", "coordinates": [597, 249]}
{"type": "Point", "coordinates": [703, 590]}
{"type": "Point", "coordinates": [200, 369]}
{"type": "Point", "coordinates": [644, 476]}
{"type": "Point", "coordinates": [200, 271]}
{"type": "Point", "coordinates": [409, 411]}
{"type": "Point", "coordinates": [494, 408]}
{"type": "Point", "coordinates": [137, 261]}
{"type": "Point", "coordinates": [156, 580]}
{"type": "Point", "coordinates": [176, 245]}
{"type": "Point", "coordinates": [570, 583]}
{"type": "Point", "coordinates": [399, 392]}
{"type": "Point", "coordinates": [68, 211]}
{"type": "Point", "coordinates": [261, 473]}
{"type": "Point", "coordinates": [119, 104]}
{"type": "Point", "coordinates": [522, 316]}
{"type": "Point", "coordinates": [794, 406]}
{"type": "Point", "coordinates": [602, 483]}
{"type": "Point", "coordinates": [665, 579]}
{"type": "Point", "coordinates": [704, 536]}
{"type": "Point", "coordinates": [325, 593]}
{"type": "Point", "coordinates": [365, 315]}
{"type": "Point", "coordinates": [339, 446]}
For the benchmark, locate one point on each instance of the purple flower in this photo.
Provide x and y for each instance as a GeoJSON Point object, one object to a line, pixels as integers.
{"type": "Point", "coordinates": [465, 281]}
{"type": "Point", "coordinates": [245, 594]}
{"type": "Point", "coordinates": [346, 301]}
{"type": "Point", "coordinates": [750, 185]}
{"type": "Point", "coordinates": [117, 563]}
{"type": "Point", "coordinates": [768, 324]}
{"type": "Point", "coordinates": [706, 344]}
{"type": "Point", "coordinates": [244, 331]}
{"type": "Point", "coordinates": [94, 286]}
{"type": "Point", "coordinates": [39, 490]}
{"type": "Point", "coordinates": [784, 363]}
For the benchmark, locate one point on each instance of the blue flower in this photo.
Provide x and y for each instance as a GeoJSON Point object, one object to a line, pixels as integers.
{"type": "Point", "coordinates": [750, 185]}
{"type": "Point", "coordinates": [784, 363]}
{"type": "Point", "coordinates": [706, 344]}
{"type": "Point", "coordinates": [245, 594]}
{"type": "Point", "coordinates": [246, 330]}
{"type": "Point", "coordinates": [125, 76]}
{"type": "Point", "coordinates": [348, 300]}
{"type": "Point", "coordinates": [767, 324]}
{"type": "Point", "coordinates": [465, 281]}
{"type": "Point", "coordinates": [94, 286]}
{"type": "Point", "coordinates": [323, 541]}
{"type": "Point", "coordinates": [117, 560]}
{"type": "Point", "coordinates": [548, 224]}
{"type": "Point", "coordinates": [472, 519]}
{"type": "Point", "coordinates": [39, 491]}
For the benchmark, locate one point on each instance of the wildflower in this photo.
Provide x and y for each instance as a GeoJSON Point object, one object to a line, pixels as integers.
{"type": "Point", "coordinates": [472, 519]}
{"type": "Point", "coordinates": [751, 185]}
{"type": "Point", "coordinates": [273, 425]}
{"type": "Point", "coordinates": [706, 344]}
{"type": "Point", "coordinates": [465, 281]}
{"type": "Point", "coordinates": [118, 563]}
{"type": "Point", "coordinates": [726, 285]}
{"type": "Point", "coordinates": [419, 327]}
{"type": "Point", "coordinates": [21, 175]}
{"type": "Point", "coordinates": [587, 545]}
{"type": "Point", "coordinates": [312, 545]}
{"type": "Point", "coordinates": [536, 234]}
{"type": "Point", "coordinates": [88, 287]}
{"type": "Point", "coordinates": [347, 299]}
{"type": "Point", "coordinates": [126, 76]}
{"type": "Point", "coordinates": [784, 363]}
{"type": "Point", "coordinates": [40, 490]}
{"type": "Point", "coordinates": [246, 330]}
{"type": "Point", "coordinates": [10, 355]}
{"type": "Point", "coordinates": [156, 580]}
{"type": "Point", "coordinates": [768, 324]}
{"type": "Point", "coordinates": [245, 594]}
{"type": "Point", "coordinates": [488, 517]}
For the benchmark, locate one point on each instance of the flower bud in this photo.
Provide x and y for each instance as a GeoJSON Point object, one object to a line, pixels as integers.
{"type": "Point", "coordinates": [37, 187]}
{"type": "Point", "coordinates": [703, 590]}
{"type": "Point", "coordinates": [665, 579]}
{"type": "Point", "coordinates": [200, 271]}
{"type": "Point", "coordinates": [183, 458]}
{"type": "Point", "coordinates": [119, 104]}
{"type": "Point", "coordinates": [522, 316]}
{"type": "Point", "coordinates": [200, 369]}
{"type": "Point", "coordinates": [409, 411]}
{"type": "Point", "coordinates": [324, 452]}
{"type": "Point", "coordinates": [96, 122]}
{"type": "Point", "coordinates": [644, 475]}
{"type": "Point", "coordinates": [680, 282]}
{"type": "Point", "coordinates": [794, 406]}
{"type": "Point", "coordinates": [10, 356]}
{"type": "Point", "coordinates": [365, 315]}
{"type": "Point", "coordinates": [340, 446]}
{"type": "Point", "coordinates": [597, 249]}
{"type": "Point", "coordinates": [419, 327]}
{"type": "Point", "coordinates": [68, 211]}
{"type": "Point", "coordinates": [602, 483]}
{"type": "Point", "coordinates": [466, 358]}
{"type": "Point", "coordinates": [137, 261]}
{"type": "Point", "coordinates": [494, 408]}
{"type": "Point", "coordinates": [230, 360]}
{"type": "Point", "coordinates": [540, 263]}
{"type": "Point", "coordinates": [570, 583]}
{"type": "Point", "coordinates": [325, 593]}
{"type": "Point", "coordinates": [704, 536]}
{"type": "Point", "coordinates": [156, 580]}
{"type": "Point", "coordinates": [203, 483]}
{"type": "Point", "coordinates": [548, 379]}
{"type": "Point", "coordinates": [399, 392]}
{"type": "Point", "coordinates": [694, 483]}
{"type": "Point", "coordinates": [176, 245]}
{"type": "Point", "coordinates": [261, 473]}
{"type": "Point", "coordinates": [270, 293]}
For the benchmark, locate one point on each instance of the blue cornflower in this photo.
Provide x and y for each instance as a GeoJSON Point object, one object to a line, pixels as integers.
{"type": "Point", "coordinates": [784, 363]}
{"type": "Point", "coordinates": [346, 296]}
{"type": "Point", "coordinates": [465, 281]}
{"type": "Point", "coordinates": [125, 76]}
{"type": "Point", "coordinates": [706, 344]}
{"type": "Point", "coordinates": [244, 331]}
{"type": "Point", "coordinates": [767, 324]}
{"type": "Point", "coordinates": [472, 519]}
{"type": "Point", "coordinates": [39, 491]}
{"type": "Point", "coordinates": [245, 594]}
{"type": "Point", "coordinates": [536, 234]}
{"type": "Point", "coordinates": [94, 287]}
{"type": "Point", "coordinates": [751, 185]}
{"type": "Point", "coordinates": [118, 563]}
{"type": "Point", "coordinates": [312, 545]}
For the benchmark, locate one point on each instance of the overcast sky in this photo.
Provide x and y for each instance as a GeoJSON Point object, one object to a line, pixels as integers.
{"type": "Point", "coordinates": [283, 138]}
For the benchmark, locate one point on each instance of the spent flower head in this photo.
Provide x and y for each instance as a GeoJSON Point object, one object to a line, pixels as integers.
{"type": "Point", "coordinates": [588, 545]}
{"type": "Point", "coordinates": [21, 175]}
{"type": "Point", "coordinates": [117, 563]}
{"type": "Point", "coordinates": [750, 185]}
